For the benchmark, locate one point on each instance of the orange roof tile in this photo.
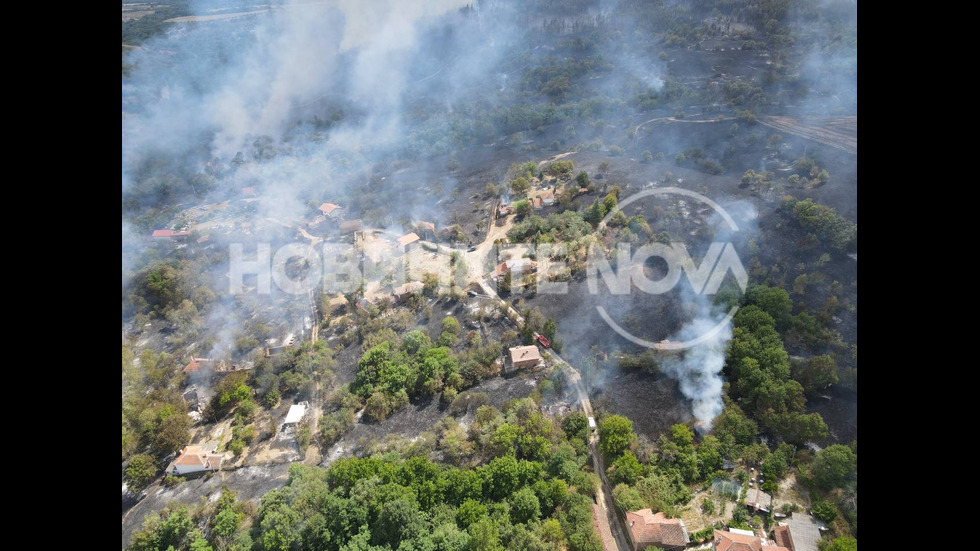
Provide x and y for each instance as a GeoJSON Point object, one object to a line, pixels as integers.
{"type": "Point", "coordinates": [649, 528]}
{"type": "Point", "coordinates": [170, 233]}
{"type": "Point", "coordinates": [783, 537]}
{"type": "Point", "coordinates": [728, 541]}
{"type": "Point", "coordinates": [408, 239]}
{"type": "Point", "coordinates": [524, 353]}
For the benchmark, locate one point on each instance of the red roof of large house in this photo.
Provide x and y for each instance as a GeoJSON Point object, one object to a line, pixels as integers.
{"type": "Point", "coordinates": [649, 528]}
{"type": "Point", "coordinates": [408, 239]}
{"type": "Point", "coordinates": [327, 208]}
{"type": "Point", "coordinates": [197, 456]}
{"type": "Point", "coordinates": [525, 353]}
{"type": "Point", "coordinates": [195, 364]}
{"type": "Point", "coordinates": [729, 541]}
{"type": "Point", "coordinates": [170, 233]}
{"type": "Point", "coordinates": [783, 537]}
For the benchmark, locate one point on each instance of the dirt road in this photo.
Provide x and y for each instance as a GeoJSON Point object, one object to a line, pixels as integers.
{"type": "Point", "coordinates": [609, 521]}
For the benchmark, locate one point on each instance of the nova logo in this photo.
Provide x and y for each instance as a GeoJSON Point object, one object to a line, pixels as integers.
{"type": "Point", "coordinates": [704, 277]}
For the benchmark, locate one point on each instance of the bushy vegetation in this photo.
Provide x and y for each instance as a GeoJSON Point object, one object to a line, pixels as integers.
{"type": "Point", "coordinates": [389, 375]}
{"type": "Point", "coordinates": [529, 492]}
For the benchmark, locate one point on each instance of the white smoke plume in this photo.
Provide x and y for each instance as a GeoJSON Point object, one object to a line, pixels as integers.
{"type": "Point", "coordinates": [698, 370]}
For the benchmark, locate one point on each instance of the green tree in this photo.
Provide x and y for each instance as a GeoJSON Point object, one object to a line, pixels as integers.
{"type": "Point", "coordinates": [469, 512]}
{"type": "Point", "coordinates": [172, 434]}
{"type": "Point", "coordinates": [816, 373]}
{"type": "Point", "coordinates": [626, 469]}
{"type": "Point", "coordinates": [615, 435]}
{"type": "Point", "coordinates": [824, 511]}
{"type": "Point", "coordinates": [520, 185]}
{"type": "Point", "coordinates": [549, 329]}
{"type": "Point", "coordinates": [575, 425]}
{"type": "Point", "coordinates": [504, 283]}
{"type": "Point", "coordinates": [415, 342]}
{"type": "Point", "coordinates": [522, 208]}
{"type": "Point", "coordinates": [271, 398]}
{"type": "Point", "coordinates": [141, 470]}
{"type": "Point", "coordinates": [524, 506]}
{"type": "Point", "coordinates": [843, 543]}
{"type": "Point", "coordinates": [430, 284]}
{"type": "Point", "coordinates": [774, 301]}
{"type": "Point", "coordinates": [484, 536]}
{"type": "Point", "coordinates": [834, 466]}
{"type": "Point", "coordinates": [397, 521]}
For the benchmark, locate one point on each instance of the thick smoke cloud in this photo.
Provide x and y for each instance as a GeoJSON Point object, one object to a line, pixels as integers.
{"type": "Point", "coordinates": [235, 79]}
{"type": "Point", "coordinates": [699, 370]}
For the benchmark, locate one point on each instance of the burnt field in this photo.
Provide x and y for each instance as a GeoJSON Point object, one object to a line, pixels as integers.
{"type": "Point", "coordinates": [653, 403]}
{"type": "Point", "coordinates": [718, 58]}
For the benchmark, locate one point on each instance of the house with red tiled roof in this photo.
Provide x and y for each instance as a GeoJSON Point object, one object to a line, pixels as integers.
{"type": "Point", "coordinates": [408, 242]}
{"type": "Point", "coordinates": [731, 541]}
{"type": "Point", "coordinates": [170, 233]}
{"type": "Point", "coordinates": [522, 265]}
{"type": "Point", "coordinates": [196, 364]}
{"type": "Point", "coordinates": [525, 356]}
{"type": "Point", "coordinates": [194, 459]}
{"type": "Point", "coordinates": [648, 529]}
{"type": "Point", "coordinates": [782, 537]}
{"type": "Point", "coordinates": [329, 209]}
{"type": "Point", "coordinates": [542, 199]}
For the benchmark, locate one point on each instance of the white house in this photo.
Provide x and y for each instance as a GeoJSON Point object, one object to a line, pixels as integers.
{"type": "Point", "coordinates": [193, 459]}
{"type": "Point", "coordinates": [295, 413]}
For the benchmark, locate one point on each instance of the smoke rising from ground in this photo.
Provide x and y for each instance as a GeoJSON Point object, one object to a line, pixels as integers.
{"type": "Point", "coordinates": [699, 369]}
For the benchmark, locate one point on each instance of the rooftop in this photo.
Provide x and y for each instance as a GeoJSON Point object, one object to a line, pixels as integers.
{"type": "Point", "coordinates": [327, 208]}
{"type": "Point", "coordinates": [758, 499]}
{"type": "Point", "coordinates": [408, 239]}
{"type": "Point", "coordinates": [525, 353]}
{"type": "Point", "coordinates": [805, 530]}
{"type": "Point", "coordinates": [783, 537]}
{"type": "Point", "coordinates": [296, 413]}
{"type": "Point", "coordinates": [199, 456]}
{"type": "Point", "coordinates": [647, 527]}
{"type": "Point", "coordinates": [410, 287]}
{"type": "Point", "coordinates": [730, 541]}
{"type": "Point", "coordinates": [170, 233]}
{"type": "Point", "coordinates": [196, 364]}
